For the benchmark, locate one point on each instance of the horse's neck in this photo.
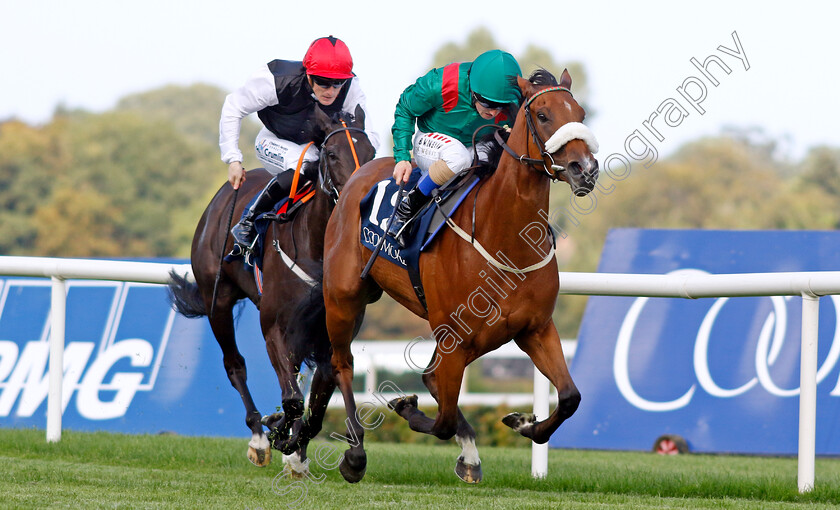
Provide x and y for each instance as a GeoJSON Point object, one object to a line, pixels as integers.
{"type": "Point", "coordinates": [314, 218]}
{"type": "Point", "coordinates": [513, 202]}
{"type": "Point", "coordinates": [519, 192]}
{"type": "Point", "coordinates": [322, 207]}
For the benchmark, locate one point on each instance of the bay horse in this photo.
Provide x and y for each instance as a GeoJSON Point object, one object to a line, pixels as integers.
{"type": "Point", "coordinates": [475, 303]}
{"type": "Point", "coordinates": [291, 303]}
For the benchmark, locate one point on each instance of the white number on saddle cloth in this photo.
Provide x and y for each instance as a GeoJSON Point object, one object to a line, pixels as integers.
{"type": "Point", "coordinates": [377, 204]}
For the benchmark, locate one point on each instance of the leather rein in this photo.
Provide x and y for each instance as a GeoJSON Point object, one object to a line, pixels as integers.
{"type": "Point", "coordinates": [525, 159]}
{"type": "Point", "coordinates": [323, 171]}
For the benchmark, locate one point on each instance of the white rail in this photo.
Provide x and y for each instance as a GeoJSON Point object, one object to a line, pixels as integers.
{"type": "Point", "coordinates": [695, 284]}
{"type": "Point", "coordinates": [60, 270]}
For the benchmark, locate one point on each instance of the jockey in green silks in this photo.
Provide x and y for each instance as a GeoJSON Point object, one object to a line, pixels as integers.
{"type": "Point", "coordinates": [447, 105]}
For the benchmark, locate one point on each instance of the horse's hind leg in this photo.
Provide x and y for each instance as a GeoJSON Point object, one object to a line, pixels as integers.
{"type": "Point", "coordinates": [545, 349]}
{"type": "Point", "coordinates": [259, 451]}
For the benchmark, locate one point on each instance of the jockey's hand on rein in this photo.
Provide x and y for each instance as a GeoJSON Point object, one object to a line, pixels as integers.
{"type": "Point", "coordinates": [402, 171]}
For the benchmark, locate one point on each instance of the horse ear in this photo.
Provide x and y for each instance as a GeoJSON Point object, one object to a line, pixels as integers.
{"type": "Point", "coordinates": [525, 86]}
{"type": "Point", "coordinates": [323, 120]}
{"type": "Point", "coordinates": [359, 117]}
{"type": "Point", "coordinates": [566, 79]}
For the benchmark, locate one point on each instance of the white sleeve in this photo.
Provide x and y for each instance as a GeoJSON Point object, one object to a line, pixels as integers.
{"type": "Point", "coordinates": [355, 96]}
{"type": "Point", "coordinates": [257, 93]}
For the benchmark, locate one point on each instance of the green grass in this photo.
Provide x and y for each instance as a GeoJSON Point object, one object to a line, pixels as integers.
{"type": "Point", "coordinates": [104, 470]}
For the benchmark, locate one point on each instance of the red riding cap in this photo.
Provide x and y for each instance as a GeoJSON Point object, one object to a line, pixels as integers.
{"type": "Point", "coordinates": [328, 57]}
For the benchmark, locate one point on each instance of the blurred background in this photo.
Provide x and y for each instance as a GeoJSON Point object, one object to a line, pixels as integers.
{"type": "Point", "coordinates": [109, 112]}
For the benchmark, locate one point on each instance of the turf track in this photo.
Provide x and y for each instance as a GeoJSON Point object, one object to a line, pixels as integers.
{"type": "Point", "coordinates": [119, 471]}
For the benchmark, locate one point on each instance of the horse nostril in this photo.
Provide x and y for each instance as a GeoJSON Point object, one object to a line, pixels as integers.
{"type": "Point", "coordinates": [574, 168]}
{"type": "Point", "coordinates": [591, 175]}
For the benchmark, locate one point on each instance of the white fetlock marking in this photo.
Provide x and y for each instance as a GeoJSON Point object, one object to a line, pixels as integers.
{"type": "Point", "coordinates": [259, 441]}
{"type": "Point", "coordinates": [294, 463]}
{"type": "Point", "coordinates": [468, 450]}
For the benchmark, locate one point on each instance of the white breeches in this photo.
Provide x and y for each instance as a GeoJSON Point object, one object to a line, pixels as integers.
{"type": "Point", "coordinates": [278, 155]}
{"type": "Point", "coordinates": [431, 147]}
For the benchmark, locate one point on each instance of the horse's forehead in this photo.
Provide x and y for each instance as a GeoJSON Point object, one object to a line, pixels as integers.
{"type": "Point", "coordinates": [562, 102]}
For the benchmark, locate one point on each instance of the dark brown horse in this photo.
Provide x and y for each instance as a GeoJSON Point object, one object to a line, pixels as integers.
{"type": "Point", "coordinates": [291, 304]}
{"type": "Point", "coordinates": [475, 303]}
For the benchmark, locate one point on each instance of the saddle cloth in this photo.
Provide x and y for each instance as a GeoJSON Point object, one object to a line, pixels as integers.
{"type": "Point", "coordinates": [282, 212]}
{"type": "Point", "coordinates": [377, 206]}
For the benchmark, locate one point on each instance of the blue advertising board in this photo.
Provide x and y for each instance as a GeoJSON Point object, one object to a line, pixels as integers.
{"type": "Point", "coordinates": [722, 373]}
{"type": "Point", "coordinates": [131, 364]}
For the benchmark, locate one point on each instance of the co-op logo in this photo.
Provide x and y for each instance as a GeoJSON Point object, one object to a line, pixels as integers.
{"type": "Point", "coordinates": [105, 365]}
{"type": "Point", "coordinates": [770, 342]}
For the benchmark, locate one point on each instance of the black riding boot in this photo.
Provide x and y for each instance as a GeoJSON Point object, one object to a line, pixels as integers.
{"type": "Point", "coordinates": [408, 207]}
{"type": "Point", "coordinates": [244, 232]}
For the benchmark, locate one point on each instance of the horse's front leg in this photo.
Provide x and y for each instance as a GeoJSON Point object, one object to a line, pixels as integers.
{"type": "Point", "coordinates": [341, 321]}
{"type": "Point", "coordinates": [546, 351]}
{"type": "Point", "coordinates": [468, 464]}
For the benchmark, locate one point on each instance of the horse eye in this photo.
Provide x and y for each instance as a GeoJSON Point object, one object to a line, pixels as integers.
{"type": "Point", "coordinates": [542, 117]}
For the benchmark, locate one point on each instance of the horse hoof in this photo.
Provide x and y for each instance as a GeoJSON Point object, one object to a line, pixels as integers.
{"type": "Point", "coordinates": [293, 466]}
{"type": "Point", "coordinates": [272, 421]}
{"type": "Point", "coordinates": [350, 473]}
{"type": "Point", "coordinates": [259, 457]}
{"type": "Point", "coordinates": [519, 422]}
{"type": "Point", "coordinates": [399, 404]}
{"type": "Point", "coordinates": [468, 473]}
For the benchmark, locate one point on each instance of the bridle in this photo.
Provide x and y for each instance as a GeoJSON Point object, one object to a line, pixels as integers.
{"type": "Point", "coordinates": [323, 171]}
{"type": "Point", "coordinates": [556, 169]}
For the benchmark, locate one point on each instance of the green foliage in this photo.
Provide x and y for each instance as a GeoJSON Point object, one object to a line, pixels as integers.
{"type": "Point", "coordinates": [96, 185]}
{"type": "Point", "coordinates": [712, 183]}
{"type": "Point", "coordinates": [135, 181]}
{"type": "Point", "coordinates": [131, 182]}
{"type": "Point", "coordinates": [194, 112]}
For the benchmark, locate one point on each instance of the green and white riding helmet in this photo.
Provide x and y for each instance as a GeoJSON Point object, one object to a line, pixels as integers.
{"type": "Point", "coordinates": [492, 77]}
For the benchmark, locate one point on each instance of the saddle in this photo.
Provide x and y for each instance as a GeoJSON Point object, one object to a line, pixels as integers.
{"type": "Point", "coordinates": [376, 208]}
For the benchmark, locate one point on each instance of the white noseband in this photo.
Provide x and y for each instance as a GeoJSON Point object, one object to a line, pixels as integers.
{"type": "Point", "coordinates": [569, 132]}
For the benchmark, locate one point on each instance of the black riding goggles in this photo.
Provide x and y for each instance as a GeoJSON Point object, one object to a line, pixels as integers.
{"type": "Point", "coordinates": [486, 103]}
{"type": "Point", "coordinates": [328, 82]}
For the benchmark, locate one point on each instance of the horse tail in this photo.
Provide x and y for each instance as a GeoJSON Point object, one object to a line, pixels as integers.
{"type": "Point", "coordinates": [185, 296]}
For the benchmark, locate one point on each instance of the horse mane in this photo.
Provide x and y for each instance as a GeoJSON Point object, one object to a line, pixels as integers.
{"type": "Point", "coordinates": [487, 143]}
{"type": "Point", "coordinates": [341, 115]}
{"type": "Point", "coordinates": [543, 77]}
